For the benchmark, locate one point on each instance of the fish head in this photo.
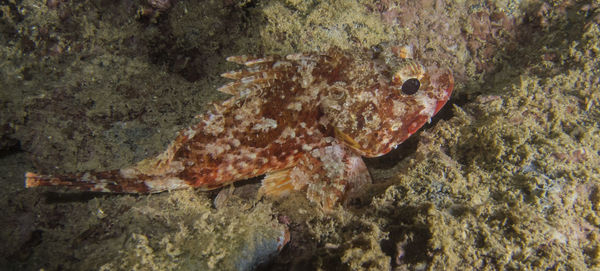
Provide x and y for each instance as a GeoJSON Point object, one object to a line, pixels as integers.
{"type": "Point", "coordinates": [391, 104]}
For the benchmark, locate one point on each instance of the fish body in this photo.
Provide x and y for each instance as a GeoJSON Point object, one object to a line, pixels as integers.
{"type": "Point", "coordinates": [303, 121]}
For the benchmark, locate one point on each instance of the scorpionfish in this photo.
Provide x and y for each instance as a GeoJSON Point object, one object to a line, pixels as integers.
{"type": "Point", "coordinates": [303, 121]}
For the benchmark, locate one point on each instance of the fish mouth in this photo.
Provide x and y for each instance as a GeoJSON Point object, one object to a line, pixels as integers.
{"type": "Point", "coordinates": [446, 83]}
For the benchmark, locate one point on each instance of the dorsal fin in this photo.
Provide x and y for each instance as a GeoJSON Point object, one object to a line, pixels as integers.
{"type": "Point", "coordinates": [260, 72]}
{"type": "Point", "coordinates": [245, 85]}
{"type": "Point", "coordinates": [249, 60]}
{"type": "Point", "coordinates": [257, 74]}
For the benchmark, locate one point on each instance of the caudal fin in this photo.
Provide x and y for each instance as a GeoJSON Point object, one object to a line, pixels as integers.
{"type": "Point", "coordinates": [153, 175]}
{"type": "Point", "coordinates": [115, 181]}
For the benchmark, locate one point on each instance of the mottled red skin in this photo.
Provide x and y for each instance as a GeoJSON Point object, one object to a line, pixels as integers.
{"type": "Point", "coordinates": [304, 120]}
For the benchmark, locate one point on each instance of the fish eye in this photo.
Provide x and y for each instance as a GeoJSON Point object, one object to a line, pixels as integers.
{"type": "Point", "coordinates": [411, 86]}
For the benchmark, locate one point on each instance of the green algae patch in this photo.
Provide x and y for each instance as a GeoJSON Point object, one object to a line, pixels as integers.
{"type": "Point", "coordinates": [171, 231]}
{"type": "Point", "coordinates": [194, 236]}
{"type": "Point", "coordinates": [434, 29]}
{"type": "Point", "coordinates": [305, 26]}
{"type": "Point", "coordinates": [93, 84]}
{"type": "Point", "coordinates": [86, 90]}
{"type": "Point", "coordinates": [200, 35]}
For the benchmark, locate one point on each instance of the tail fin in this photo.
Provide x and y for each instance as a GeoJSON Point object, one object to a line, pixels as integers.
{"type": "Point", "coordinates": [115, 181]}
{"type": "Point", "coordinates": [152, 175]}
{"type": "Point", "coordinates": [109, 181]}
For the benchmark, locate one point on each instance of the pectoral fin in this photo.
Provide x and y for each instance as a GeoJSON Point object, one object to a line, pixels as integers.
{"type": "Point", "coordinates": [330, 175]}
{"type": "Point", "coordinates": [343, 137]}
{"type": "Point", "coordinates": [277, 183]}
